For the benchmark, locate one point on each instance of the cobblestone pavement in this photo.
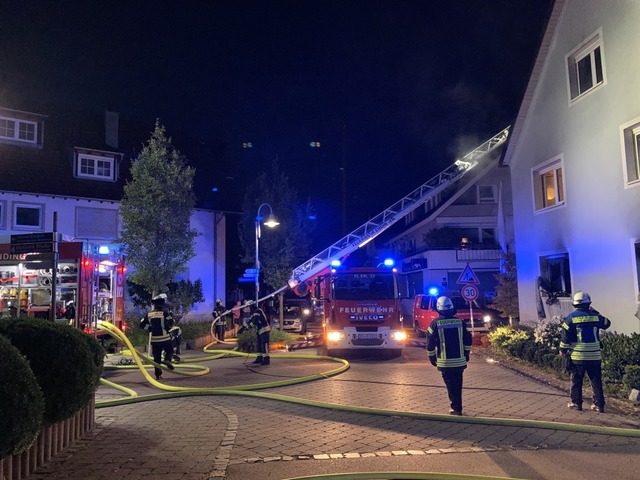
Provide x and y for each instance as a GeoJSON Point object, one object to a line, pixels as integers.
{"type": "Point", "coordinates": [203, 437]}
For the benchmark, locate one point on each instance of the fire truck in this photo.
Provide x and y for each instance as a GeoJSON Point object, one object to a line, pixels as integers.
{"type": "Point", "coordinates": [354, 317]}
{"type": "Point", "coordinates": [361, 308]}
{"type": "Point", "coordinates": [81, 285]}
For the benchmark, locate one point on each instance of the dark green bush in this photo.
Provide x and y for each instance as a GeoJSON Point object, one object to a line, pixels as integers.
{"type": "Point", "coordinates": [247, 340]}
{"type": "Point", "coordinates": [60, 359]}
{"type": "Point", "coordinates": [618, 351]}
{"type": "Point", "coordinates": [136, 335]}
{"type": "Point", "coordinates": [192, 330]}
{"type": "Point", "coordinates": [631, 377]}
{"type": "Point", "coordinates": [21, 401]}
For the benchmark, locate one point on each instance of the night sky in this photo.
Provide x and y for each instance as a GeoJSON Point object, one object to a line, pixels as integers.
{"type": "Point", "coordinates": [394, 90]}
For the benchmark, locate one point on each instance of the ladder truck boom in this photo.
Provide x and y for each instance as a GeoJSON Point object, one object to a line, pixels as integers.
{"type": "Point", "coordinates": [378, 224]}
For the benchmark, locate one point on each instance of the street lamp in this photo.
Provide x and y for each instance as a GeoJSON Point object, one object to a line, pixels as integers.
{"type": "Point", "coordinates": [269, 222]}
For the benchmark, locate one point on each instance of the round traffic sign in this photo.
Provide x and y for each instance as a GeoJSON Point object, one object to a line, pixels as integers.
{"type": "Point", "coordinates": [470, 292]}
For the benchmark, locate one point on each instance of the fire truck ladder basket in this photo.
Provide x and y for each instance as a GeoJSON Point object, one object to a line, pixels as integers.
{"type": "Point", "coordinates": [367, 232]}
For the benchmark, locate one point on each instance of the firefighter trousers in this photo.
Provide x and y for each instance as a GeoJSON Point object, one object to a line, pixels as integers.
{"type": "Point", "coordinates": [452, 377]}
{"type": "Point", "coordinates": [263, 344]}
{"type": "Point", "coordinates": [592, 368]}
{"type": "Point", "coordinates": [157, 349]}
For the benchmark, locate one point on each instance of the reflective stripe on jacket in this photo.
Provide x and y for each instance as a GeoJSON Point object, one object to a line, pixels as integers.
{"type": "Point", "coordinates": [581, 335]}
{"type": "Point", "coordinates": [449, 341]}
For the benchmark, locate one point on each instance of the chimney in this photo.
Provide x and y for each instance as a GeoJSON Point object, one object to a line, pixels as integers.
{"type": "Point", "coordinates": [111, 129]}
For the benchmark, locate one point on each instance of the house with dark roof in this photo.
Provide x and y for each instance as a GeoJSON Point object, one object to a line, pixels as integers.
{"type": "Point", "coordinates": [75, 164]}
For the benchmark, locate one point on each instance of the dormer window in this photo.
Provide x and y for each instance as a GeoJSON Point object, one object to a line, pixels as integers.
{"type": "Point", "coordinates": [20, 128]}
{"type": "Point", "coordinates": [96, 165]}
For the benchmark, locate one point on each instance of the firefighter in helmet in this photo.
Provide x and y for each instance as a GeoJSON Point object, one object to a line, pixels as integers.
{"type": "Point", "coordinates": [448, 349]}
{"type": "Point", "coordinates": [580, 342]}
{"type": "Point", "coordinates": [219, 319]}
{"type": "Point", "coordinates": [259, 321]}
{"type": "Point", "coordinates": [158, 322]}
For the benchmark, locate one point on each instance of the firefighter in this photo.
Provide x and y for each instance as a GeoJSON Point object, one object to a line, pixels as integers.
{"type": "Point", "coordinates": [176, 341]}
{"type": "Point", "coordinates": [580, 342]}
{"type": "Point", "coordinates": [259, 321]}
{"type": "Point", "coordinates": [448, 349]}
{"type": "Point", "coordinates": [220, 322]}
{"type": "Point", "coordinates": [159, 322]}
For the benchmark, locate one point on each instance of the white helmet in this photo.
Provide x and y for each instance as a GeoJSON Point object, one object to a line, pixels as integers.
{"type": "Point", "coordinates": [444, 304]}
{"type": "Point", "coordinates": [581, 298]}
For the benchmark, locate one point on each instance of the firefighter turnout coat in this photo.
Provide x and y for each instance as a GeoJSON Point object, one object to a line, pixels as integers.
{"type": "Point", "coordinates": [581, 335]}
{"type": "Point", "coordinates": [158, 323]}
{"type": "Point", "coordinates": [449, 342]}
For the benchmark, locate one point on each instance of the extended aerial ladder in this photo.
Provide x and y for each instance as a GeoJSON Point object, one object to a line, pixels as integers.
{"type": "Point", "coordinates": [378, 224]}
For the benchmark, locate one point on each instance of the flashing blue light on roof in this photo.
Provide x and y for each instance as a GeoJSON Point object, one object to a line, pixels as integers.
{"type": "Point", "coordinates": [103, 250]}
{"type": "Point", "coordinates": [389, 262]}
{"type": "Point", "coordinates": [336, 263]}
{"type": "Point", "coordinates": [433, 291]}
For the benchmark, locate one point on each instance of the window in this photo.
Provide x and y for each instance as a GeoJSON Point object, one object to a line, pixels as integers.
{"type": "Point", "coordinates": [95, 166]}
{"type": "Point", "coordinates": [630, 141]}
{"type": "Point", "coordinates": [548, 185]}
{"type": "Point", "coordinates": [585, 67]}
{"type": "Point", "coordinates": [554, 271]}
{"type": "Point", "coordinates": [28, 216]}
{"type": "Point", "coordinates": [18, 130]}
{"type": "Point", "coordinates": [3, 212]}
{"type": "Point", "coordinates": [96, 223]}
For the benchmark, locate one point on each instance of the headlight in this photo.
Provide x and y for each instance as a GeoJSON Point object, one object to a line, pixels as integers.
{"type": "Point", "coordinates": [335, 336]}
{"type": "Point", "coordinates": [487, 318]}
{"type": "Point", "coordinates": [399, 335]}
{"type": "Point", "coordinates": [306, 311]}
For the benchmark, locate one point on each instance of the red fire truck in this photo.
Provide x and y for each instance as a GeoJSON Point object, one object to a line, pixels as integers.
{"type": "Point", "coordinates": [361, 308]}
{"type": "Point", "coordinates": [89, 284]}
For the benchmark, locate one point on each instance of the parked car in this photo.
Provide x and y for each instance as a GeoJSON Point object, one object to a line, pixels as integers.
{"type": "Point", "coordinates": [294, 319]}
{"type": "Point", "coordinates": [424, 310]}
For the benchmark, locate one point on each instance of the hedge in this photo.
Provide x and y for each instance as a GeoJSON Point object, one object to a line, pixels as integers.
{"type": "Point", "coordinates": [66, 366]}
{"type": "Point", "coordinates": [21, 401]}
{"type": "Point", "coordinates": [620, 353]}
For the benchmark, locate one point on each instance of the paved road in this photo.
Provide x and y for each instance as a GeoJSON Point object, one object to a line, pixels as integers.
{"type": "Point", "coordinates": [238, 437]}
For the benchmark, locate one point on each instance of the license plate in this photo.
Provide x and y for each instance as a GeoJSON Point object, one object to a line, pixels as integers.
{"type": "Point", "coordinates": [367, 335]}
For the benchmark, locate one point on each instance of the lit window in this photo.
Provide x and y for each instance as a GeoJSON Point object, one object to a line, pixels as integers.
{"type": "Point", "coordinates": [555, 274]}
{"type": "Point", "coordinates": [585, 67]}
{"type": "Point", "coordinates": [28, 216]}
{"type": "Point", "coordinates": [18, 130]}
{"type": "Point", "coordinates": [630, 137]}
{"type": "Point", "coordinates": [96, 167]}
{"type": "Point", "coordinates": [548, 185]}
{"type": "Point", "coordinates": [486, 194]}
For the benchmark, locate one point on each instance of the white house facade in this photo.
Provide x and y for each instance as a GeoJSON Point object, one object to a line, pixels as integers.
{"type": "Point", "coordinates": [575, 166]}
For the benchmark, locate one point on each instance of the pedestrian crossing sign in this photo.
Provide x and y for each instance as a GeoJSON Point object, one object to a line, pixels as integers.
{"type": "Point", "coordinates": [467, 276]}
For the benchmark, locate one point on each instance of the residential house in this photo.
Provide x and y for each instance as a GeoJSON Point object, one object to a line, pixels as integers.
{"type": "Point", "coordinates": [75, 165]}
{"type": "Point", "coordinates": [575, 166]}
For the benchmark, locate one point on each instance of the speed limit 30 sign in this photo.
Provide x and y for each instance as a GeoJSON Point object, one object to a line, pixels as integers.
{"type": "Point", "coordinates": [470, 292]}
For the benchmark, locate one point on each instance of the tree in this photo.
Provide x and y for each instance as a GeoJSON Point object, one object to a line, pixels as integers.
{"type": "Point", "coordinates": [282, 248]}
{"type": "Point", "coordinates": [156, 213]}
{"type": "Point", "coordinates": [506, 301]}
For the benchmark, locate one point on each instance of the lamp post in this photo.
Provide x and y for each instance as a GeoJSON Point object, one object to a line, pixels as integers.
{"type": "Point", "coordinates": [269, 222]}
